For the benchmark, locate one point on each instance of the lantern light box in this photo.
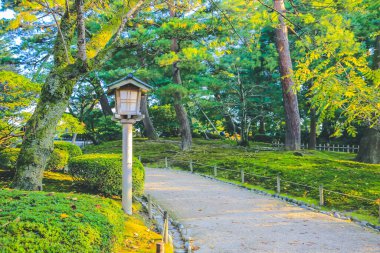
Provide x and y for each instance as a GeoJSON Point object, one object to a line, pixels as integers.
{"type": "Point", "coordinates": [128, 92]}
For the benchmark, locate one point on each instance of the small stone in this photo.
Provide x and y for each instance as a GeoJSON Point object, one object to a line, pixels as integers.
{"type": "Point", "coordinates": [364, 223]}
{"type": "Point", "coordinates": [336, 215]}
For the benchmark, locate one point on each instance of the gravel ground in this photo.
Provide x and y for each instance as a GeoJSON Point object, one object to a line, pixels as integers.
{"type": "Point", "coordinates": [224, 218]}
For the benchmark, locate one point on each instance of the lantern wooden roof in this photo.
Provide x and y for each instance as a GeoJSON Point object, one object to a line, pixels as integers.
{"type": "Point", "coordinates": [130, 79]}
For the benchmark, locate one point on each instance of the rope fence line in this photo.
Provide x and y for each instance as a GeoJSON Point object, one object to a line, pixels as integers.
{"type": "Point", "coordinates": [242, 173]}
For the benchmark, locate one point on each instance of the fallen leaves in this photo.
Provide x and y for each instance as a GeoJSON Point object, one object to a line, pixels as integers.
{"type": "Point", "coordinates": [64, 216]}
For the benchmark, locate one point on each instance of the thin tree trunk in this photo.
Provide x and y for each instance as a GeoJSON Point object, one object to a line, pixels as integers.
{"type": "Point", "coordinates": [262, 126]}
{"type": "Point", "coordinates": [74, 139]}
{"type": "Point", "coordinates": [313, 129]}
{"type": "Point", "coordinates": [180, 110]}
{"type": "Point", "coordinates": [292, 117]}
{"type": "Point", "coordinates": [103, 100]}
{"type": "Point", "coordinates": [150, 132]}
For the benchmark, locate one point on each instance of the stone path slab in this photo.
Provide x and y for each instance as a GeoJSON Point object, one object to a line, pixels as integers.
{"type": "Point", "coordinates": [222, 218]}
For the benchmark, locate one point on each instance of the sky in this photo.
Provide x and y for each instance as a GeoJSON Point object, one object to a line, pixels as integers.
{"type": "Point", "coordinates": [7, 13]}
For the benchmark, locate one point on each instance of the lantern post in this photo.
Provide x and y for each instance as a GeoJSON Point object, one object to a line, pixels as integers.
{"type": "Point", "coordinates": [128, 92]}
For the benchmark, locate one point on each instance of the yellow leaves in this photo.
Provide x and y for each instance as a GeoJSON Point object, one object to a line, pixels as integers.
{"type": "Point", "coordinates": [23, 18]}
{"type": "Point", "coordinates": [64, 216]}
{"type": "Point", "coordinates": [168, 59]}
{"type": "Point", "coordinates": [191, 53]}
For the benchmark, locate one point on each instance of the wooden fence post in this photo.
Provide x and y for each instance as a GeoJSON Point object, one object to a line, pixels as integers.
{"type": "Point", "coordinates": [150, 206]}
{"type": "Point", "coordinates": [278, 185]}
{"type": "Point", "coordinates": [321, 197]}
{"type": "Point", "coordinates": [348, 148]}
{"type": "Point", "coordinates": [165, 231]}
{"type": "Point", "coordinates": [191, 166]}
{"type": "Point", "coordinates": [242, 176]}
{"type": "Point", "coordinates": [215, 171]}
{"type": "Point", "coordinates": [160, 247]}
{"type": "Point", "coordinates": [166, 163]}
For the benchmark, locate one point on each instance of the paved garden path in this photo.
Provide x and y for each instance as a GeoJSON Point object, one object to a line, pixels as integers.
{"type": "Point", "coordinates": [224, 218]}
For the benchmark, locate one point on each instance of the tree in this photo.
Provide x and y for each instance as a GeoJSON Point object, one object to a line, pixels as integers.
{"type": "Point", "coordinates": [68, 67]}
{"type": "Point", "coordinates": [292, 117]}
{"type": "Point", "coordinates": [17, 96]}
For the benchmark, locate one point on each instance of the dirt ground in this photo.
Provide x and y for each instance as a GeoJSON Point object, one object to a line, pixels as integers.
{"type": "Point", "coordinates": [224, 218]}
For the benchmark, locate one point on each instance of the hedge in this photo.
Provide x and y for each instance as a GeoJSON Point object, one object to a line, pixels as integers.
{"type": "Point", "coordinates": [8, 158]}
{"type": "Point", "coordinates": [58, 160]}
{"type": "Point", "coordinates": [103, 173]}
{"type": "Point", "coordinates": [72, 149]}
{"type": "Point", "coordinates": [59, 222]}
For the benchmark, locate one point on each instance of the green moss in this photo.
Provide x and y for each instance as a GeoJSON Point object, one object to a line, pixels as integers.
{"type": "Point", "coordinates": [58, 222]}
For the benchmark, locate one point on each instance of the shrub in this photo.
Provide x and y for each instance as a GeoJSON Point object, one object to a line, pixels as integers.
{"type": "Point", "coordinates": [263, 138]}
{"type": "Point", "coordinates": [72, 149]}
{"type": "Point", "coordinates": [8, 158]}
{"type": "Point", "coordinates": [58, 160]}
{"type": "Point", "coordinates": [59, 222]}
{"type": "Point", "coordinates": [103, 172]}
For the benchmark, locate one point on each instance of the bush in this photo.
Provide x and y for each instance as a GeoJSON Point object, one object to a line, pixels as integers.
{"type": "Point", "coordinates": [58, 160]}
{"type": "Point", "coordinates": [263, 138]}
{"type": "Point", "coordinates": [59, 222]}
{"type": "Point", "coordinates": [8, 158]}
{"type": "Point", "coordinates": [72, 149]}
{"type": "Point", "coordinates": [103, 172]}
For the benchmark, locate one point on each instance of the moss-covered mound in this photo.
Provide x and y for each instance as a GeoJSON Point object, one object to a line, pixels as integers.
{"type": "Point", "coordinates": [58, 222]}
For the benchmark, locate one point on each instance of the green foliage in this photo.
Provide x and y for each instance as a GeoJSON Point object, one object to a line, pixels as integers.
{"type": "Point", "coordinates": [59, 222]}
{"type": "Point", "coordinates": [58, 160]}
{"type": "Point", "coordinates": [17, 93]}
{"type": "Point", "coordinates": [164, 119]}
{"type": "Point", "coordinates": [72, 149]}
{"type": "Point", "coordinates": [70, 124]}
{"type": "Point", "coordinates": [103, 172]}
{"type": "Point", "coordinates": [8, 158]}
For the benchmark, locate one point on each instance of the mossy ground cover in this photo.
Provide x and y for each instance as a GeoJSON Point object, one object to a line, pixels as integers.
{"type": "Point", "coordinates": [336, 171]}
{"type": "Point", "coordinates": [66, 217]}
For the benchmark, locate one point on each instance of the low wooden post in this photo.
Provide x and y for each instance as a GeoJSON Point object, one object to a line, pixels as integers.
{"type": "Point", "coordinates": [278, 185]}
{"type": "Point", "coordinates": [321, 197]}
{"type": "Point", "coordinates": [160, 247]}
{"type": "Point", "coordinates": [307, 145]}
{"type": "Point", "coordinates": [140, 158]}
{"type": "Point", "coordinates": [165, 231]}
{"type": "Point", "coordinates": [215, 171]}
{"type": "Point", "coordinates": [333, 147]}
{"type": "Point", "coordinates": [191, 166]}
{"type": "Point", "coordinates": [348, 148]}
{"type": "Point", "coordinates": [150, 207]}
{"type": "Point", "coordinates": [242, 176]}
{"type": "Point", "coordinates": [166, 163]}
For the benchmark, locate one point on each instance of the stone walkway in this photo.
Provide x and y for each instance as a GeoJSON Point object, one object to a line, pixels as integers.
{"type": "Point", "coordinates": [224, 218]}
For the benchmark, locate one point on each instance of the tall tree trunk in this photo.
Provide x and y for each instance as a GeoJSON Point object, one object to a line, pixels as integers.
{"type": "Point", "coordinates": [313, 129]}
{"type": "Point", "coordinates": [150, 132]}
{"type": "Point", "coordinates": [369, 151]}
{"type": "Point", "coordinates": [183, 120]}
{"type": "Point", "coordinates": [38, 143]}
{"type": "Point", "coordinates": [292, 116]}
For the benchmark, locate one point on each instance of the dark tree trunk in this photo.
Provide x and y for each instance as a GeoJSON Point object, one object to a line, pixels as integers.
{"type": "Point", "coordinates": [149, 130]}
{"type": "Point", "coordinates": [292, 117]}
{"type": "Point", "coordinates": [369, 151]}
{"type": "Point", "coordinates": [103, 100]}
{"type": "Point", "coordinates": [183, 120]}
{"type": "Point", "coordinates": [313, 129]}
